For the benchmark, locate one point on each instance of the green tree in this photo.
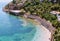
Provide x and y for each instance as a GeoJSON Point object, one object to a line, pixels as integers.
{"type": "Point", "coordinates": [14, 1]}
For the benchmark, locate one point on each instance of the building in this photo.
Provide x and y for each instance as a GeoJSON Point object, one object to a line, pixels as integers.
{"type": "Point", "coordinates": [56, 13]}
{"type": "Point", "coordinates": [58, 17]}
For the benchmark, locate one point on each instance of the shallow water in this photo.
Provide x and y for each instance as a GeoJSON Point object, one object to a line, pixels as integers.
{"type": "Point", "coordinates": [13, 28]}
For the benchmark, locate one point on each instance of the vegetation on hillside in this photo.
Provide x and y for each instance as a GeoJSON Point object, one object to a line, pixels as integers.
{"type": "Point", "coordinates": [43, 9]}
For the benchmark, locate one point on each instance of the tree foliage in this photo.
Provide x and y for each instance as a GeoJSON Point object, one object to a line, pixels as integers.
{"type": "Point", "coordinates": [43, 10]}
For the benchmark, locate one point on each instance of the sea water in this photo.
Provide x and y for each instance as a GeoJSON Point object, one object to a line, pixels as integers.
{"type": "Point", "coordinates": [13, 28]}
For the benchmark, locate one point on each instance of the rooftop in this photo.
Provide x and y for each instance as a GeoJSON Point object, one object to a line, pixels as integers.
{"type": "Point", "coordinates": [55, 12]}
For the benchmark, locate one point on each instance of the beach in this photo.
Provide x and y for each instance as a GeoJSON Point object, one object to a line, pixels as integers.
{"type": "Point", "coordinates": [46, 36]}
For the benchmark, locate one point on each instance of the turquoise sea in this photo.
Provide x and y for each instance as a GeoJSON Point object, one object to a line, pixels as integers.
{"type": "Point", "coordinates": [13, 28]}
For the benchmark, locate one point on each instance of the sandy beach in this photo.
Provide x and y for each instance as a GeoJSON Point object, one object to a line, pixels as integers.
{"type": "Point", "coordinates": [45, 36]}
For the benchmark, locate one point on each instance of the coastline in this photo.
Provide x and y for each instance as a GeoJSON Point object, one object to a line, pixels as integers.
{"type": "Point", "coordinates": [46, 37]}
{"type": "Point", "coordinates": [47, 28]}
{"type": "Point", "coordinates": [49, 35]}
{"type": "Point", "coordinates": [40, 21]}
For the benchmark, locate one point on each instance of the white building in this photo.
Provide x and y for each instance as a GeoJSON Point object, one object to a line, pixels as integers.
{"type": "Point", "coordinates": [57, 14]}
{"type": "Point", "coordinates": [58, 17]}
